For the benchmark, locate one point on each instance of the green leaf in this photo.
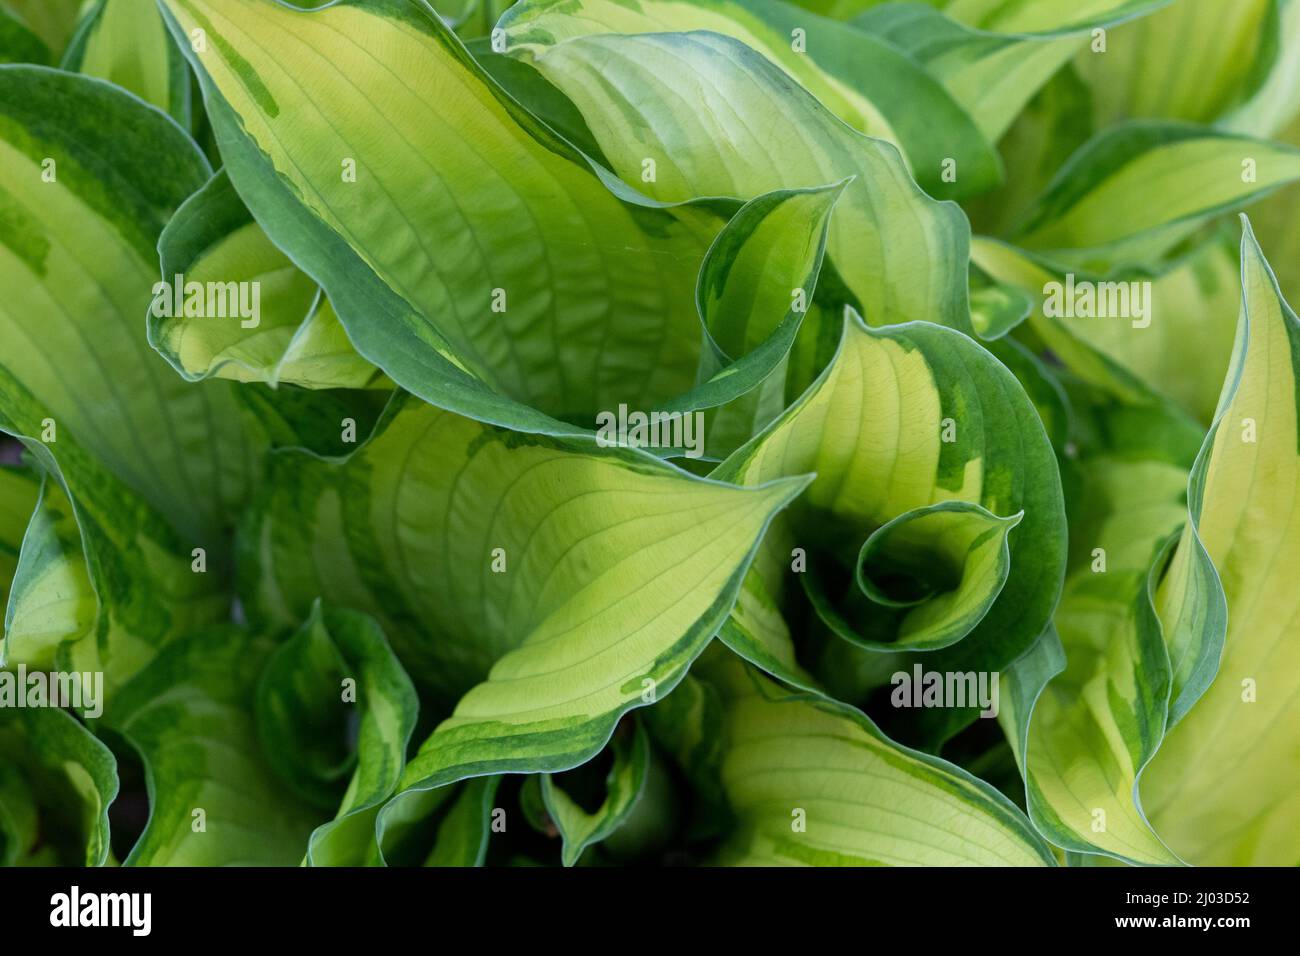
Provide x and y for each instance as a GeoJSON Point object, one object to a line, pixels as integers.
{"type": "Point", "coordinates": [1022, 684]}
{"type": "Point", "coordinates": [901, 254]}
{"type": "Point", "coordinates": [1190, 61]}
{"type": "Point", "coordinates": [623, 786]}
{"type": "Point", "coordinates": [290, 333]}
{"type": "Point", "coordinates": [126, 43]}
{"type": "Point", "coordinates": [1042, 384]}
{"type": "Point", "coordinates": [868, 83]}
{"type": "Point", "coordinates": [499, 560]}
{"type": "Point", "coordinates": [756, 284]}
{"type": "Point", "coordinates": [907, 418]}
{"type": "Point", "coordinates": [1137, 189]}
{"type": "Point", "coordinates": [79, 254]}
{"type": "Point", "coordinates": [464, 832]}
{"type": "Point", "coordinates": [337, 677]}
{"type": "Point", "coordinates": [1046, 16]}
{"type": "Point", "coordinates": [152, 467]}
{"type": "Point", "coordinates": [51, 599]}
{"type": "Point", "coordinates": [1273, 105]}
{"type": "Point", "coordinates": [939, 568]}
{"type": "Point", "coordinates": [1099, 722]}
{"type": "Point", "coordinates": [51, 20]}
{"type": "Point", "coordinates": [687, 726]}
{"type": "Point", "coordinates": [814, 782]}
{"type": "Point", "coordinates": [20, 489]}
{"type": "Point", "coordinates": [1163, 323]}
{"type": "Point", "coordinates": [992, 75]}
{"type": "Point", "coordinates": [214, 798]}
{"type": "Point", "coordinates": [56, 782]}
{"type": "Point", "coordinates": [1221, 789]}
{"type": "Point", "coordinates": [997, 309]}
{"type": "Point", "coordinates": [18, 44]}
{"type": "Point", "coordinates": [505, 330]}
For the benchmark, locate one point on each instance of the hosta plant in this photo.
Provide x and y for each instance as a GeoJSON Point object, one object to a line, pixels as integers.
{"type": "Point", "coordinates": [600, 432]}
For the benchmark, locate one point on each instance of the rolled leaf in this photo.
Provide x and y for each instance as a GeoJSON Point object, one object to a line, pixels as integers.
{"type": "Point", "coordinates": [337, 671]}
{"type": "Point", "coordinates": [1221, 789]}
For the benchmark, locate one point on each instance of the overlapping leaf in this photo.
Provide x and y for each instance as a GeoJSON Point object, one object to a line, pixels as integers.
{"type": "Point", "coordinates": [126, 43]}
{"type": "Point", "coordinates": [864, 80]}
{"type": "Point", "coordinates": [813, 782]}
{"type": "Point", "coordinates": [910, 418]}
{"type": "Point", "coordinates": [1221, 789]}
{"type": "Point", "coordinates": [750, 131]}
{"type": "Point", "coordinates": [572, 296]}
{"type": "Point", "coordinates": [546, 572]}
{"type": "Point", "coordinates": [149, 466]}
{"type": "Point", "coordinates": [287, 332]}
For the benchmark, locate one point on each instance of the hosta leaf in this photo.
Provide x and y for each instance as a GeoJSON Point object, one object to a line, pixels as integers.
{"type": "Point", "coordinates": [51, 599]}
{"type": "Point", "coordinates": [623, 785]}
{"type": "Point", "coordinates": [126, 573]}
{"type": "Point", "coordinates": [91, 176]}
{"type": "Point", "coordinates": [1050, 128]}
{"type": "Point", "coordinates": [687, 726]}
{"type": "Point", "coordinates": [756, 285]}
{"type": "Point", "coordinates": [751, 131]}
{"type": "Point", "coordinates": [471, 18]}
{"type": "Point", "coordinates": [813, 782]}
{"type": "Point", "coordinates": [1140, 355]}
{"type": "Point", "coordinates": [126, 43]}
{"type": "Point", "coordinates": [1008, 16]}
{"type": "Point", "coordinates": [457, 821]}
{"type": "Point", "coordinates": [1137, 189]}
{"type": "Point", "coordinates": [1222, 788]}
{"type": "Point", "coordinates": [992, 75]}
{"type": "Point", "coordinates": [496, 558]}
{"type": "Point", "coordinates": [315, 685]}
{"type": "Point", "coordinates": [938, 568]}
{"type": "Point", "coordinates": [1098, 723]}
{"type": "Point", "coordinates": [214, 798]}
{"type": "Point", "coordinates": [18, 44]}
{"type": "Point", "coordinates": [51, 20]}
{"type": "Point", "coordinates": [1273, 220]}
{"type": "Point", "coordinates": [294, 337]}
{"type": "Point", "coordinates": [20, 489]}
{"type": "Point", "coordinates": [566, 294]}
{"type": "Point", "coordinates": [997, 309]}
{"type": "Point", "coordinates": [1273, 103]}
{"type": "Point", "coordinates": [907, 418]}
{"type": "Point", "coordinates": [56, 782]}
{"type": "Point", "coordinates": [1043, 386]}
{"type": "Point", "coordinates": [1189, 61]}
{"type": "Point", "coordinates": [867, 82]}
{"type": "Point", "coordinates": [464, 832]}
{"type": "Point", "coordinates": [150, 465]}
{"type": "Point", "coordinates": [1022, 684]}
{"type": "Point", "coordinates": [1046, 16]}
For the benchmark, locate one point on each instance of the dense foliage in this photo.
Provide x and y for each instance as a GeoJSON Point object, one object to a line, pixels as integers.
{"type": "Point", "coordinates": [671, 431]}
